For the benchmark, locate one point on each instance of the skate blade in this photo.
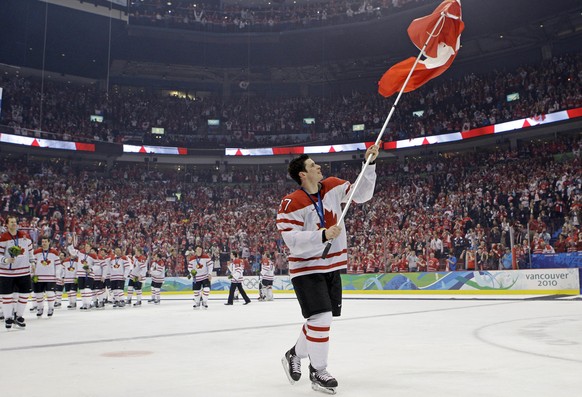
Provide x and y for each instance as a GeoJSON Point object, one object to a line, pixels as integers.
{"type": "Point", "coordinates": [286, 369]}
{"type": "Point", "coordinates": [326, 390]}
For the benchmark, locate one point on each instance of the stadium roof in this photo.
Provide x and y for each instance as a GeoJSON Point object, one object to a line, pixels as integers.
{"type": "Point", "coordinates": [93, 45]}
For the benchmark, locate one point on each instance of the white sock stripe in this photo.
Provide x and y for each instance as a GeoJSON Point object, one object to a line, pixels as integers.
{"type": "Point", "coordinates": [317, 334]}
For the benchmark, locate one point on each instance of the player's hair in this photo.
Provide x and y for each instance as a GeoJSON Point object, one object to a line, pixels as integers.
{"type": "Point", "coordinates": [235, 254]}
{"type": "Point", "coordinates": [10, 217]}
{"type": "Point", "coordinates": [296, 166]}
{"type": "Point", "coordinates": [199, 245]}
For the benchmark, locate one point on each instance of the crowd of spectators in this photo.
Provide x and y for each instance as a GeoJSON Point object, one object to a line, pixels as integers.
{"type": "Point", "coordinates": [453, 204]}
{"type": "Point", "coordinates": [446, 105]}
{"type": "Point", "coordinates": [273, 16]}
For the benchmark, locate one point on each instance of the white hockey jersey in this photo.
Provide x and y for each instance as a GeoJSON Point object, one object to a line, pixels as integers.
{"type": "Point", "coordinates": [301, 229]}
{"type": "Point", "coordinates": [23, 259]}
{"type": "Point", "coordinates": [203, 266]}
{"type": "Point", "coordinates": [46, 266]}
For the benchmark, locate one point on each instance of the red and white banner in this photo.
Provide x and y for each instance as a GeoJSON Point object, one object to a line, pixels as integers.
{"type": "Point", "coordinates": [155, 150]}
{"type": "Point", "coordinates": [46, 143]}
{"type": "Point", "coordinates": [293, 150]}
{"type": "Point", "coordinates": [349, 147]}
{"type": "Point", "coordinates": [488, 130]}
{"type": "Point", "coordinates": [408, 143]}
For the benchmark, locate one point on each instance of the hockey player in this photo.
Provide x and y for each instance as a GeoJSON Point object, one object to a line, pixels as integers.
{"type": "Point", "coordinates": [137, 275]}
{"type": "Point", "coordinates": [85, 260]}
{"type": "Point", "coordinates": [118, 268]}
{"type": "Point", "coordinates": [47, 266]}
{"type": "Point", "coordinates": [100, 270]}
{"type": "Point", "coordinates": [60, 284]}
{"type": "Point", "coordinates": [108, 295]}
{"type": "Point", "coordinates": [70, 279]}
{"type": "Point", "coordinates": [267, 278]}
{"type": "Point", "coordinates": [130, 287]}
{"type": "Point", "coordinates": [158, 274]}
{"type": "Point", "coordinates": [16, 259]}
{"type": "Point", "coordinates": [236, 275]}
{"type": "Point", "coordinates": [200, 267]}
{"type": "Point", "coordinates": [307, 220]}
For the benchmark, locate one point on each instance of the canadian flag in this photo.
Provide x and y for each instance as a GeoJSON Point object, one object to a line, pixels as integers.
{"type": "Point", "coordinates": [441, 49]}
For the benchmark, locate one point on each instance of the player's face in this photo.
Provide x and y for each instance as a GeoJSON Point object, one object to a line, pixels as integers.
{"type": "Point", "coordinates": [312, 171]}
{"type": "Point", "coordinates": [45, 244]}
{"type": "Point", "coordinates": [12, 224]}
{"type": "Point", "coordinates": [117, 251]}
{"type": "Point", "coordinates": [198, 251]}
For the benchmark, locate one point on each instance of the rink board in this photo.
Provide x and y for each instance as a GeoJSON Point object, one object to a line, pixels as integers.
{"type": "Point", "coordinates": [502, 282]}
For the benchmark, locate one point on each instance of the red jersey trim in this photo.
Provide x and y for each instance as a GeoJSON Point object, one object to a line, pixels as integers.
{"type": "Point", "coordinates": [294, 259]}
{"type": "Point", "coordinates": [311, 268]}
{"type": "Point", "coordinates": [284, 220]}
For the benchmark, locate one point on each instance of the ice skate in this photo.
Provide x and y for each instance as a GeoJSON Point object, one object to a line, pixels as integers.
{"type": "Point", "coordinates": [50, 313]}
{"type": "Point", "coordinates": [19, 321]}
{"type": "Point", "coordinates": [1, 316]}
{"type": "Point", "coordinates": [196, 306]}
{"type": "Point", "coordinates": [8, 323]}
{"type": "Point", "coordinates": [322, 381]}
{"type": "Point", "coordinates": [157, 302]}
{"type": "Point", "coordinates": [204, 305]}
{"type": "Point", "coordinates": [292, 365]}
{"type": "Point", "coordinates": [72, 306]}
{"type": "Point", "coordinates": [39, 313]}
{"type": "Point", "coordinates": [137, 303]}
{"type": "Point", "coordinates": [33, 309]}
{"type": "Point", "coordinates": [58, 304]}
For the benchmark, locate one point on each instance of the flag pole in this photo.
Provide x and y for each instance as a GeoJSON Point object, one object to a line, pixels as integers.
{"type": "Point", "coordinates": [368, 160]}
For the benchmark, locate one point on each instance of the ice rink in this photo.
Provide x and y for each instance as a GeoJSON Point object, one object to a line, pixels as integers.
{"type": "Point", "coordinates": [382, 345]}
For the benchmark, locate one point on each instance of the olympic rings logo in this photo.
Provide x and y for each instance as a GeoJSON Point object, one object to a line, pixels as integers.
{"type": "Point", "coordinates": [251, 283]}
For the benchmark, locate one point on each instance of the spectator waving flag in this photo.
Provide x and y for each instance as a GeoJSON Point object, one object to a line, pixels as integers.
{"type": "Point", "coordinates": [438, 36]}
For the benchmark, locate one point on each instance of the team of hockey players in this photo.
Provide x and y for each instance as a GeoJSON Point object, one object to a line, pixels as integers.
{"type": "Point", "coordinates": [99, 277]}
